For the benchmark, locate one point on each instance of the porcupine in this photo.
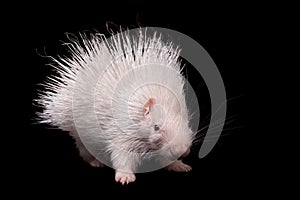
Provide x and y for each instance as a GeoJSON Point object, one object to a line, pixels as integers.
{"type": "Point", "coordinates": [134, 86]}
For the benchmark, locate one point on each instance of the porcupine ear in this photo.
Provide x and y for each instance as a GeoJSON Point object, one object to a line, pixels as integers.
{"type": "Point", "coordinates": [148, 105]}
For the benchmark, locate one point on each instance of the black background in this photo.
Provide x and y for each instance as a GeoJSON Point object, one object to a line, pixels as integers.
{"type": "Point", "coordinates": [46, 160]}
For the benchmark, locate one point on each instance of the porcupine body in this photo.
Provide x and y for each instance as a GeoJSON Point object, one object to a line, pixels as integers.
{"type": "Point", "coordinates": [117, 83]}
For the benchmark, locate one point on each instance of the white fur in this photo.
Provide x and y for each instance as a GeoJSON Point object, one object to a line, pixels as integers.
{"type": "Point", "coordinates": [116, 78]}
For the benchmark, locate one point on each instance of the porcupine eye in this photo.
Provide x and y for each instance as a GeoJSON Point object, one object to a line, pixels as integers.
{"type": "Point", "coordinates": [156, 127]}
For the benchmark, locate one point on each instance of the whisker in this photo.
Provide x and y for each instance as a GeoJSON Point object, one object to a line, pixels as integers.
{"type": "Point", "coordinates": [206, 119]}
{"type": "Point", "coordinates": [214, 127]}
{"type": "Point", "coordinates": [225, 133]}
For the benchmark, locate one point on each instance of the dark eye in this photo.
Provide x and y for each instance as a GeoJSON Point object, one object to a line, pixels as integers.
{"type": "Point", "coordinates": [156, 127]}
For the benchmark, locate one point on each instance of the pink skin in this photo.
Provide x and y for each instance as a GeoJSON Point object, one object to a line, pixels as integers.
{"type": "Point", "coordinates": [179, 166]}
{"type": "Point", "coordinates": [124, 177]}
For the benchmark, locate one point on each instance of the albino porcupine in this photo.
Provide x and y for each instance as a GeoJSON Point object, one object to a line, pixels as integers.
{"type": "Point", "coordinates": [122, 99]}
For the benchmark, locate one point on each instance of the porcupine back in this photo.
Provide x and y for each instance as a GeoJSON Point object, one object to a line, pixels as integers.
{"type": "Point", "coordinates": [97, 66]}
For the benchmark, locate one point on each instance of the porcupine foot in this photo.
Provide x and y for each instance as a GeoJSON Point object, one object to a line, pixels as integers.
{"type": "Point", "coordinates": [179, 166]}
{"type": "Point", "coordinates": [96, 163]}
{"type": "Point", "coordinates": [124, 177]}
{"type": "Point", "coordinates": [86, 156]}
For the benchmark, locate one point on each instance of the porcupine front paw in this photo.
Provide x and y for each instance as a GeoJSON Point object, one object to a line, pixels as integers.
{"type": "Point", "coordinates": [179, 166]}
{"type": "Point", "coordinates": [124, 177]}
